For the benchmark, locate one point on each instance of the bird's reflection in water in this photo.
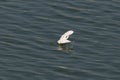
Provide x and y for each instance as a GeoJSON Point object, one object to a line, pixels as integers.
{"type": "Point", "coordinates": [65, 47]}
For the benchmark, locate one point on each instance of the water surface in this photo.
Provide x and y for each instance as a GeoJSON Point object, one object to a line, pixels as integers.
{"type": "Point", "coordinates": [29, 31]}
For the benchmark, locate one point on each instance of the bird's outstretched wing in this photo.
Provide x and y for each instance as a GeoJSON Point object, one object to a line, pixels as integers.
{"type": "Point", "coordinates": [65, 36]}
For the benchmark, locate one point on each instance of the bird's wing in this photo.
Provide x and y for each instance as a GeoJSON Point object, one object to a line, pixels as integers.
{"type": "Point", "coordinates": [66, 35]}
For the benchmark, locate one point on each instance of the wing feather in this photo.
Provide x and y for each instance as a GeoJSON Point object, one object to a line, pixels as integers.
{"type": "Point", "coordinates": [64, 37]}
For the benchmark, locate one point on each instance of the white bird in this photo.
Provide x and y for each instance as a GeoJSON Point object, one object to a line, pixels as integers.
{"type": "Point", "coordinates": [64, 38]}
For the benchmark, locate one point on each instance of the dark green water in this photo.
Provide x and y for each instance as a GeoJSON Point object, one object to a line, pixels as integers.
{"type": "Point", "coordinates": [29, 30]}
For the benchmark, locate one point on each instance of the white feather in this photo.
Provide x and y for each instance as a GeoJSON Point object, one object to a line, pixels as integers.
{"type": "Point", "coordinates": [64, 38]}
